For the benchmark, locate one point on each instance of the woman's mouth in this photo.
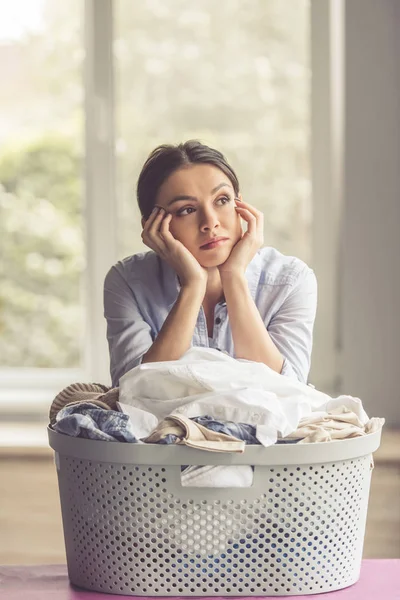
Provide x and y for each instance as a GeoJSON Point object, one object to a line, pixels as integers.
{"type": "Point", "coordinates": [214, 244]}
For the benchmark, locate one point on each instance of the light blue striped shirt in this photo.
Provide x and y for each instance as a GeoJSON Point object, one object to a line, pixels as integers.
{"type": "Point", "coordinates": [140, 290]}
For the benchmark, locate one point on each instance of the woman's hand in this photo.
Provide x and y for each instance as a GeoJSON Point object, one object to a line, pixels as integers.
{"type": "Point", "coordinates": [249, 244]}
{"type": "Point", "coordinates": [157, 236]}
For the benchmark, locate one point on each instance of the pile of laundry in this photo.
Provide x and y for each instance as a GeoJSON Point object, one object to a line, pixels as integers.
{"type": "Point", "coordinates": [210, 401]}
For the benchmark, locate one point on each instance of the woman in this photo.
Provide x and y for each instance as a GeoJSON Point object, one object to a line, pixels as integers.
{"type": "Point", "coordinates": [205, 282]}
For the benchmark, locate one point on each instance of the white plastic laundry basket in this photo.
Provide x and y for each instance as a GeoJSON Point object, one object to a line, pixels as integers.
{"type": "Point", "coordinates": [131, 528]}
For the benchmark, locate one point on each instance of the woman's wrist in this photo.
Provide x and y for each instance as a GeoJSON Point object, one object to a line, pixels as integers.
{"type": "Point", "coordinates": [233, 276]}
{"type": "Point", "coordinates": [195, 288]}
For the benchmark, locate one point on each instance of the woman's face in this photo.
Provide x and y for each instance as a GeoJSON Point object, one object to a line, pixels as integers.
{"type": "Point", "coordinates": [201, 201]}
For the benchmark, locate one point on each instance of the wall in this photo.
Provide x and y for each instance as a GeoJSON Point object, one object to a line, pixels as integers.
{"type": "Point", "coordinates": [370, 241]}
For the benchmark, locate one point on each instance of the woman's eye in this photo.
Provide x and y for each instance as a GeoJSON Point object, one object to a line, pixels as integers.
{"type": "Point", "coordinates": [181, 212]}
{"type": "Point", "coordinates": [188, 210]}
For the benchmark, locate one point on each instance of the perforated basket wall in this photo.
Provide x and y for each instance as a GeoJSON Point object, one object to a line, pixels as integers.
{"type": "Point", "coordinates": [133, 529]}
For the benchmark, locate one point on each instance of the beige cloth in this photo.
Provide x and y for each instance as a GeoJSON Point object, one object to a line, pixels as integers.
{"type": "Point", "coordinates": [96, 393]}
{"type": "Point", "coordinates": [194, 435]}
{"type": "Point", "coordinates": [339, 424]}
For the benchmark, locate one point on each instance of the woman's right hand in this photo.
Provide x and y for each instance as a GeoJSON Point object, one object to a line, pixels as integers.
{"type": "Point", "coordinates": [157, 236]}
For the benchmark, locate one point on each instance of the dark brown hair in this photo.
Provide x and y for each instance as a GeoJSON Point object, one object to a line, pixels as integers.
{"type": "Point", "coordinates": [166, 159]}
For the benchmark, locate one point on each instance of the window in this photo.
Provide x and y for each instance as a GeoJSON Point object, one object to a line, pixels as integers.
{"type": "Point", "coordinates": [234, 75]}
{"type": "Point", "coordinates": [41, 192]}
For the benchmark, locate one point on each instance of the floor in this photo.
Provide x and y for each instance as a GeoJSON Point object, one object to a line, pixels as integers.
{"type": "Point", "coordinates": [30, 517]}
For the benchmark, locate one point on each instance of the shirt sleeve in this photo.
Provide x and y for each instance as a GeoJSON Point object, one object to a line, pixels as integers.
{"type": "Point", "coordinates": [128, 334]}
{"type": "Point", "coordinates": [291, 328]}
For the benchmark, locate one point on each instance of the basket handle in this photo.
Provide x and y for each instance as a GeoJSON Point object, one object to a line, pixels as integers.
{"type": "Point", "coordinates": [173, 484]}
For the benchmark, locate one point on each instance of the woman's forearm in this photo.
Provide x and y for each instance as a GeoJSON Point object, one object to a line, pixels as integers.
{"type": "Point", "coordinates": [251, 339]}
{"type": "Point", "coordinates": [176, 334]}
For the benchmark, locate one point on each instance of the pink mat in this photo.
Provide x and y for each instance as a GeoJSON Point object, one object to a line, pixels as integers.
{"type": "Point", "coordinates": [380, 580]}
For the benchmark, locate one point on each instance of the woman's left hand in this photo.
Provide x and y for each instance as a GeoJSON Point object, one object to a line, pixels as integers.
{"type": "Point", "coordinates": [249, 244]}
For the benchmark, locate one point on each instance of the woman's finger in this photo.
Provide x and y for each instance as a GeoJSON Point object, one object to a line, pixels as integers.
{"type": "Point", "coordinates": [151, 218]}
{"type": "Point", "coordinates": [253, 227]}
{"type": "Point", "coordinates": [164, 229]}
{"type": "Point", "coordinates": [249, 207]}
{"type": "Point", "coordinates": [155, 223]}
{"type": "Point", "coordinates": [254, 211]}
{"type": "Point", "coordinates": [250, 219]}
{"type": "Point", "coordinates": [257, 213]}
{"type": "Point", "coordinates": [151, 232]}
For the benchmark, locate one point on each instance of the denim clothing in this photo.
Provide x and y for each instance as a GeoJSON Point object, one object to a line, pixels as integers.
{"type": "Point", "coordinates": [242, 431]}
{"type": "Point", "coordinates": [87, 420]}
{"type": "Point", "coordinates": [140, 291]}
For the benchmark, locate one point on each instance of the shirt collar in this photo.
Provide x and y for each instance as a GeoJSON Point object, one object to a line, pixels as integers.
{"type": "Point", "coordinates": [172, 286]}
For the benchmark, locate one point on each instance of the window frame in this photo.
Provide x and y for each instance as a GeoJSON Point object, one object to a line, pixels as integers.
{"type": "Point", "coordinates": [327, 170]}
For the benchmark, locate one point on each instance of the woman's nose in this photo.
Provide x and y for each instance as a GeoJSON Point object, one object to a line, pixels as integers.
{"type": "Point", "coordinates": [209, 221]}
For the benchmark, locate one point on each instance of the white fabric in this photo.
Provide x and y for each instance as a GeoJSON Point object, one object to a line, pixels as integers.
{"type": "Point", "coordinates": [218, 476]}
{"type": "Point", "coordinates": [142, 420]}
{"type": "Point", "coordinates": [206, 381]}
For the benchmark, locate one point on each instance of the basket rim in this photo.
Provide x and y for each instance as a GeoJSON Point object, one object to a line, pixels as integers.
{"type": "Point", "coordinates": [175, 454]}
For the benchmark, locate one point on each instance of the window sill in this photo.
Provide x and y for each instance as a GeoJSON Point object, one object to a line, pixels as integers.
{"type": "Point", "coordinates": [31, 391]}
{"type": "Point", "coordinates": [19, 439]}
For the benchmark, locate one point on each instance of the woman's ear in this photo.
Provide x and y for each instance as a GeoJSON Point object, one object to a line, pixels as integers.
{"type": "Point", "coordinates": [143, 222]}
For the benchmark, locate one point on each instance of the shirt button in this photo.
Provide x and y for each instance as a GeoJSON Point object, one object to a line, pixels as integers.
{"type": "Point", "coordinates": [217, 320]}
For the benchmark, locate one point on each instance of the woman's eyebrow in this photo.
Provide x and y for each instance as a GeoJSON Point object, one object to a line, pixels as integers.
{"type": "Point", "coordinates": [213, 191]}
